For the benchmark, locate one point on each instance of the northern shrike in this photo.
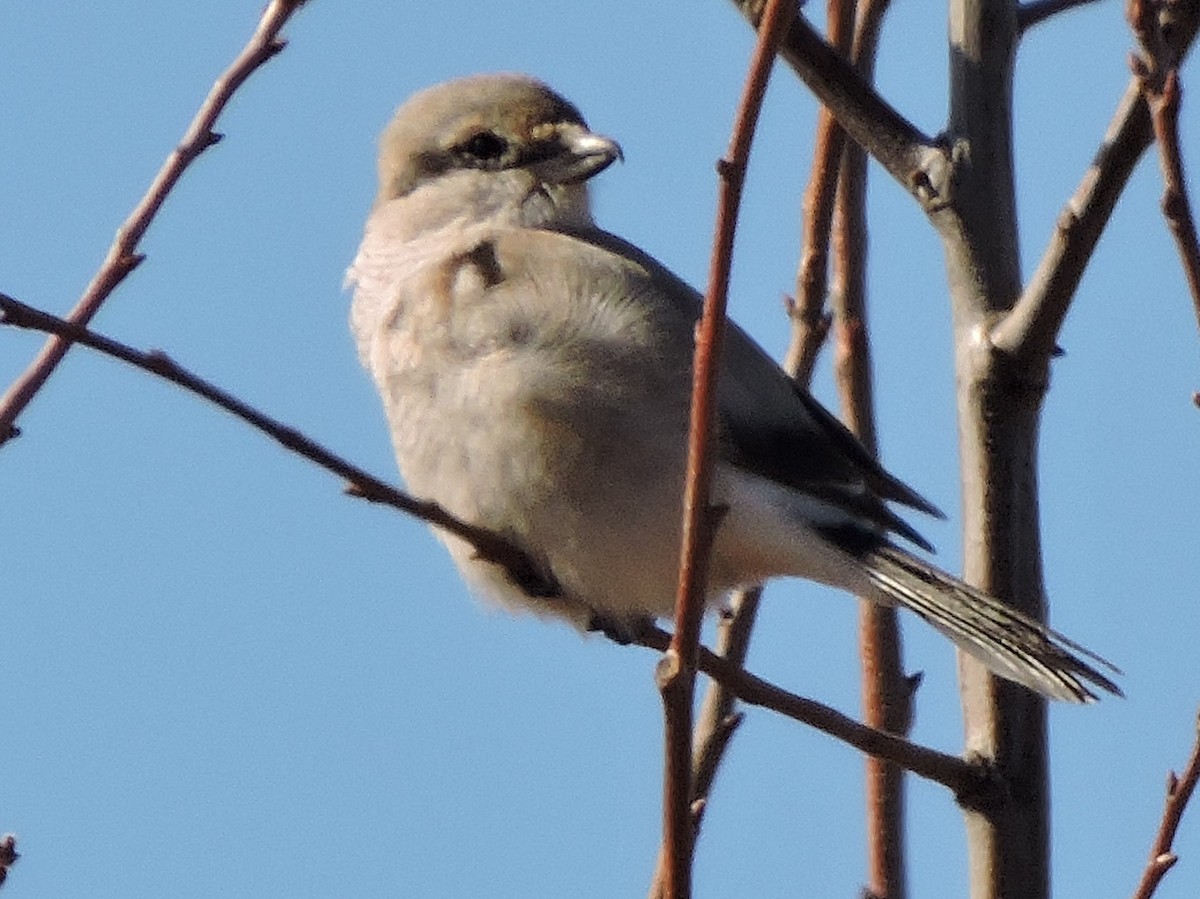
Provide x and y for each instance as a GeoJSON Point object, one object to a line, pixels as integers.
{"type": "Point", "coordinates": [536, 374]}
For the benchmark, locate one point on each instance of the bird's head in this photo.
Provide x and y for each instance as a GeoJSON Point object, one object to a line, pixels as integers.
{"type": "Point", "coordinates": [493, 145]}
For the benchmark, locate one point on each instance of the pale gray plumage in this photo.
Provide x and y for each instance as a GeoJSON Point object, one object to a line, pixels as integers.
{"type": "Point", "coordinates": [536, 373]}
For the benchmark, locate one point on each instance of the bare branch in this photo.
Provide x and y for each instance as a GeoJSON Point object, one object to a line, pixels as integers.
{"type": "Point", "coordinates": [1037, 11]}
{"type": "Point", "coordinates": [895, 142]}
{"type": "Point", "coordinates": [1029, 331]}
{"type": "Point", "coordinates": [123, 256]}
{"type": "Point", "coordinates": [490, 546]}
{"type": "Point", "coordinates": [973, 783]}
{"type": "Point", "coordinates": [1179, 791]}
{"type": "Point", "coordinates": [677, 669]}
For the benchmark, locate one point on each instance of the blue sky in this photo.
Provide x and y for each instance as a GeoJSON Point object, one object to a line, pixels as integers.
{"type": "Point", "coordinates": [224, 677]}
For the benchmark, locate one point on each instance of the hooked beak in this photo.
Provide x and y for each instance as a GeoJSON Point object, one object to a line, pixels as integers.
{"type": "Point", "coordinates": [578, 155]}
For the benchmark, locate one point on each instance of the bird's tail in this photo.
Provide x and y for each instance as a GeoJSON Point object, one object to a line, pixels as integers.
{"type": "Point", "coordinates": [1008, 642]}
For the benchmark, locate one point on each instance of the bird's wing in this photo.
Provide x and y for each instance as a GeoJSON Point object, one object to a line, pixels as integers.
{"type": "Point", "coordinates": [771, 426]}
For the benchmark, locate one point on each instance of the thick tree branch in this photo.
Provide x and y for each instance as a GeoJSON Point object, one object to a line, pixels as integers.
{"type": "Point", "coordinates": [123, 256]}
{"type": "Point", "coordinates": [676, 671]}
{"type": "Point", "coordinates": [1028, 333]}
{"type": "Point", "coordinates": [1179, 791]}
{"type": "Point", "coordinates": [490, 546]}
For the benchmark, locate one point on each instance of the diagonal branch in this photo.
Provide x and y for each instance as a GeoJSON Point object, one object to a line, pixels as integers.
{"type": "Point", "coordinates": [1030, 329]}
{"type": "Point", "coordinates": [1179, 791]}
{"type": "Point", "coordinates": [964, 778]}
{"type": "Point", "coordinates": [973, 783]}
{"type": "Point", "coordinates": [490, 546]}
{"type": "Point", "coordinates": [123, 256]}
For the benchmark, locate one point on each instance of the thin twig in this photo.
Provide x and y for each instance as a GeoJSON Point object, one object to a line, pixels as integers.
{"type": "Point", "coordinates": [886, 692]}
{"type": "Point", "coordinates": [1030, 330]}
{"type": "Point", "coordinates": [490, 546]}
{"type": "Point", "coordinates": [810, 322]}
{"type": "Point", "coordinates": [123, 256]}
{"type": "Point", "coordinates": [676, 671]}
{"type": "Point", "coordinates": [1179, 791]}
{"type": "Point", "coordinates": [1037, 11]}
{"type": "Point", "coordinates": [810, 326]}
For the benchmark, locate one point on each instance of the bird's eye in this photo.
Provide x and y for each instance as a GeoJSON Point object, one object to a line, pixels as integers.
{"type": "Point", "coordinates": [485, 146]}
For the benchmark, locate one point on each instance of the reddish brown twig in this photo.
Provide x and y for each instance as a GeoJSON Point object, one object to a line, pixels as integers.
{"type": "Point", "coordinates": [886, 691]}
{"type": "Point", "coordinates": [1179, 791]}
{"type": "Point", "coordinates": [810, 322]}
{"type": "Point", "coordinates": [809, 327]}
{"type": "Point", "coordinates": [677, 669]}
{"type": "Point", "coordinates": [719, 719]}
{"type": "Point", "coordinates": [123, 256]}
{"type": "Point", "coordinates": [489, 545]}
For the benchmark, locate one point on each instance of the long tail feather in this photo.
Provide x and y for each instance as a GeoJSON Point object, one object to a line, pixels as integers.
{"type": "Point", "coordinates": [1008, 642]}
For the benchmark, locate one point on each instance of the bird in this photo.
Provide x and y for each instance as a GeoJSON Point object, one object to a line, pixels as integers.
{"type": "Point", "coordinates": [535, 372]}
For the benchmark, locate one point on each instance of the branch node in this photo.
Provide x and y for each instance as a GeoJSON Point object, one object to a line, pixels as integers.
{"type": "Point", "coordinates": [1067, 222]}
{"type": "Point", "coordinates": [983, 788]}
